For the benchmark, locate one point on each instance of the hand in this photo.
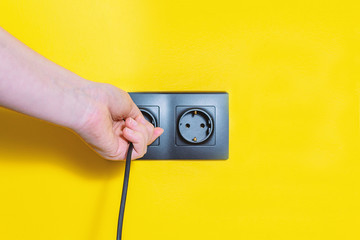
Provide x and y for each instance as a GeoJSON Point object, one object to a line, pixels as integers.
{"type": "Point", "coordinates": [111, 120]}
{"type": "Point", "coordinates": [103, 115]}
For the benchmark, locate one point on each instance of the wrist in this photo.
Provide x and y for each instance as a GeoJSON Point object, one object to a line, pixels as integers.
{"type": "Point", "coordinates": [79, 102]}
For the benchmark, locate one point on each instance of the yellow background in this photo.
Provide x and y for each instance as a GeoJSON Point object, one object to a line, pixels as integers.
{"type": "Point", "coordinates": [292, 71]}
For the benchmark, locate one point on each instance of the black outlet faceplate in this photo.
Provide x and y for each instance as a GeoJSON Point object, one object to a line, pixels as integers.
{"type": "Point", "coordinates": [168, 108]}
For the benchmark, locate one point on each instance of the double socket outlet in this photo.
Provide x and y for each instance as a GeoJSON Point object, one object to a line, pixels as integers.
{"type": "Point", "coordinates": [196, 124]}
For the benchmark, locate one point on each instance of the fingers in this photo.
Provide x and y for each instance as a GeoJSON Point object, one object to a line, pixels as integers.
{"type": "Point", "coordinates": [141, 133]}
{"type": "Point", "coordinates": [138, 127]}
{"type": "Point", "coordinates": [148, 126]}
{"type": "Point", "coordinates": [138, 141]}
{"type": "Point", "coordinates": [154, 133]}
{"type": "Point", "coordinates": [136, 133]}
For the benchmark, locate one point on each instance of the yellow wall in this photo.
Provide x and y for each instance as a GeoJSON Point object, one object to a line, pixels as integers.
{"type": "Point", "coordinates": [292, 72]}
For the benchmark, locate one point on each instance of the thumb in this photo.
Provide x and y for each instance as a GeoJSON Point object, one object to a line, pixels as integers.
{"type": "Point", "coordinates": [156, 133]}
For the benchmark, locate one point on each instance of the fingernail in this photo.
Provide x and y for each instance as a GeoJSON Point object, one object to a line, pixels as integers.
{"type": "Point", "coordinates": [132, 122]}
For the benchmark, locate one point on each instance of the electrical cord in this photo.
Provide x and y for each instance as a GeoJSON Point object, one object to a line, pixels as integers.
{"type": "Point", "coordinates": [124, 192]}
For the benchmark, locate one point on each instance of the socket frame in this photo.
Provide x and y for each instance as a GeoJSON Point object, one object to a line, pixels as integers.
{"type": "Point", "coordinates": [171, 105]}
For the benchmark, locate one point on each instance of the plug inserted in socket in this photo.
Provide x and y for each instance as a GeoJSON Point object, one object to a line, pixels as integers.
{"type": "Point", "coordinates": [148, 116]}
{"type": "Point", "coordinates": [151, 114]}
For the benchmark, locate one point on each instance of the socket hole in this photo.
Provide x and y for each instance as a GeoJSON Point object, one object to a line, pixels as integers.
{"type": "Point", "coordinates": [195, 126]}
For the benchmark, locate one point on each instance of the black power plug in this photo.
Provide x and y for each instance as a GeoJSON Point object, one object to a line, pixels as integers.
{"type": "Point", "coordinates": [151, 114]}
{"type": "Point", "coordinates": [148, 116]}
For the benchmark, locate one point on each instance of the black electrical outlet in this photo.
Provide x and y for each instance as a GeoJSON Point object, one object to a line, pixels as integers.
{"type": "Point", "coordinates": [196, 124]}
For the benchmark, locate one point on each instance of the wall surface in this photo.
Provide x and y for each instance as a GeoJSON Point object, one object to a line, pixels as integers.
{"type": "Point", "coordinates": [292, 71]}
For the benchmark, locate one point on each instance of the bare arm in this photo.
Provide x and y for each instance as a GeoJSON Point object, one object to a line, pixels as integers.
{"type": "Point", "coordinates": [103, 115]}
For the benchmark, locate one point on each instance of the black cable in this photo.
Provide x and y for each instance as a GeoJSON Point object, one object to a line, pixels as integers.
{"type": "Point", "coordinates": [124, 191]}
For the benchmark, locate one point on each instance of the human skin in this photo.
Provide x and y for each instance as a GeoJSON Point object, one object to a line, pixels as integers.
{"type": "Point", "coordinates": [103, 115]}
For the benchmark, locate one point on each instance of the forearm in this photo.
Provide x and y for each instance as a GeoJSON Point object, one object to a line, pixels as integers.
{"type": "Point", "coordinates": [31, 84]}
